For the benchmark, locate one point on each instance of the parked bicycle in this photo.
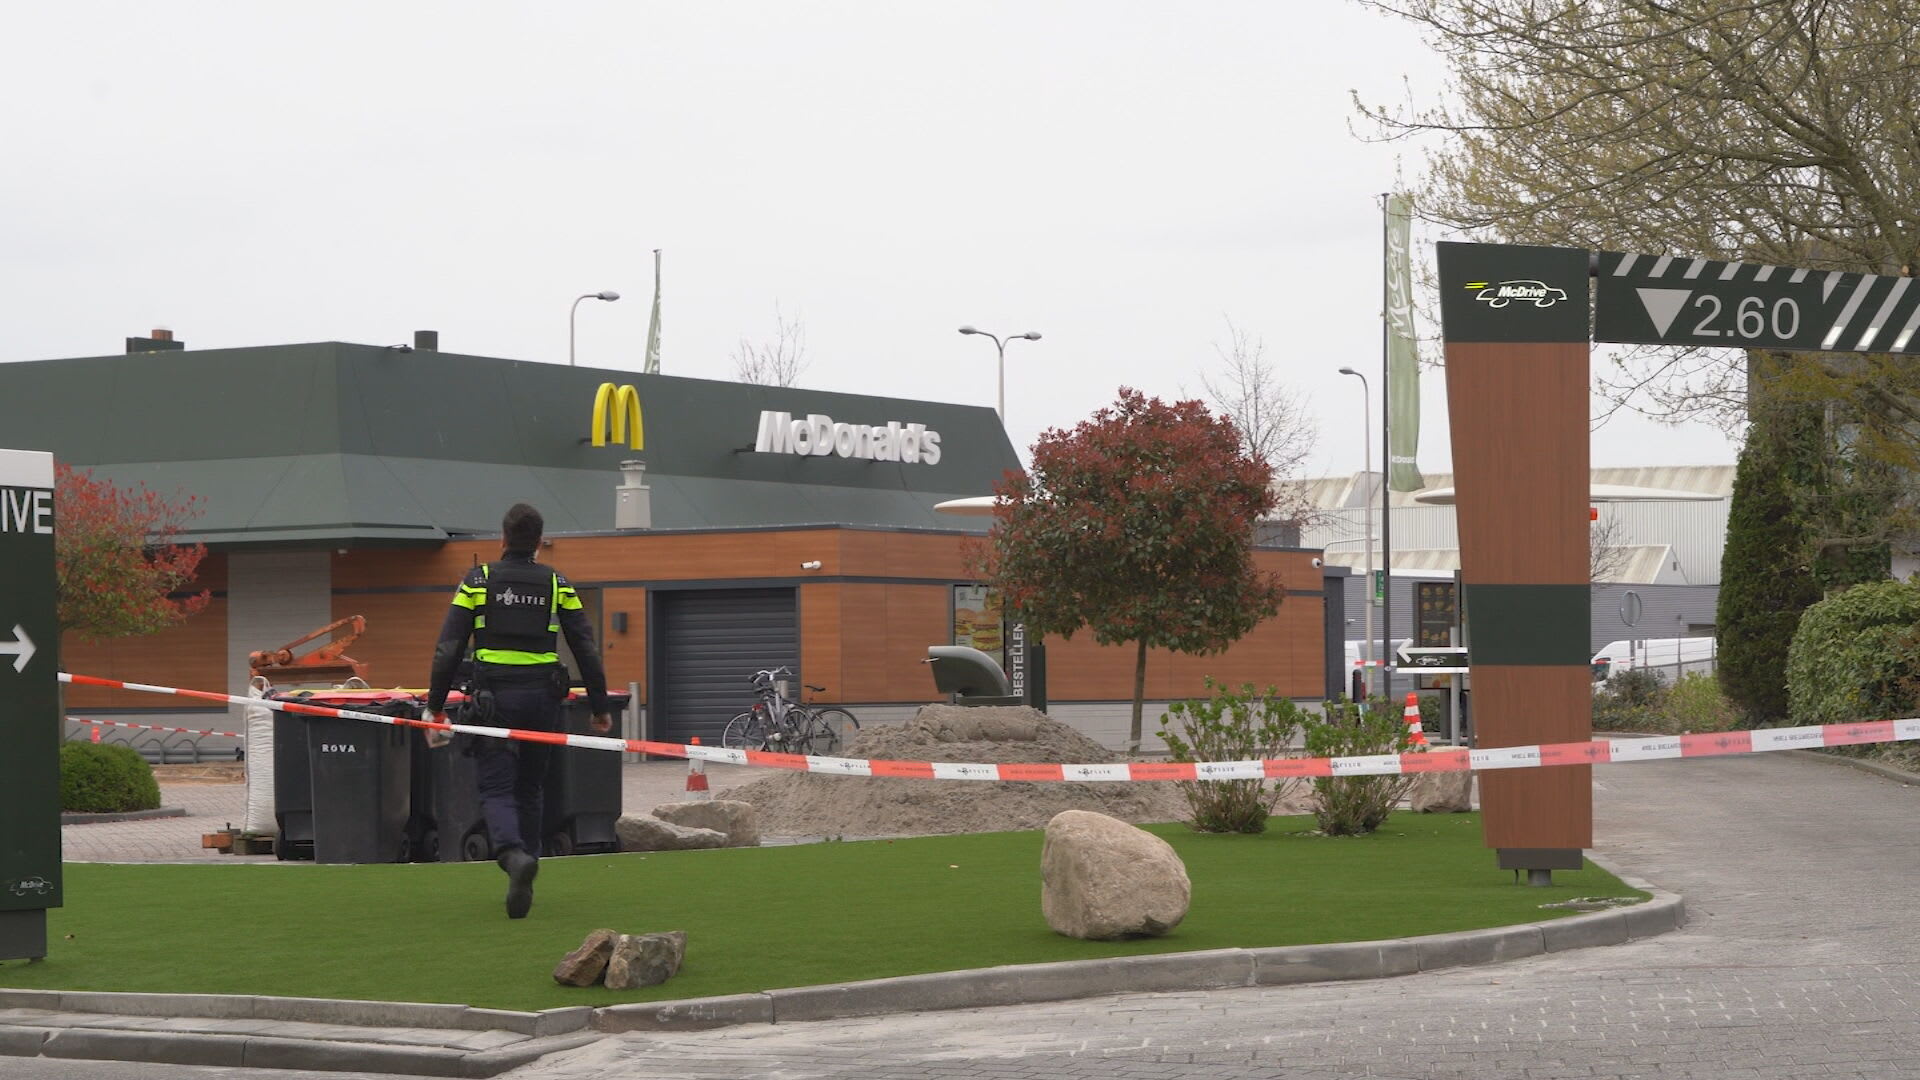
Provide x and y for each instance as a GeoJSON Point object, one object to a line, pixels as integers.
{"type": "Point", "coordinates": [780, 724]}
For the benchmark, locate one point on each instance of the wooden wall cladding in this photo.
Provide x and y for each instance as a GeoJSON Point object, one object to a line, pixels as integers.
{"type": "Point", "coordinates": [1521, 453]}
{"type": "Point", "coordinates": [864, 641]}
{"type": "Point", "coordinates": [192, 655]}
{"type": "Point", "coordinates": [823, 638]}
{"type": "Point", "coordinates": [1284, 652]}
{"type": "Point", "coordinates": [401, 630]}
{"type": "Point", "coordinates": [884, 633]}
{"type": "Point", "coordinates": [625, 654]}
{"type": "Point", "coordinates": [1518, 706]}
{"type": "Point", "coordinates": [1520, 457]}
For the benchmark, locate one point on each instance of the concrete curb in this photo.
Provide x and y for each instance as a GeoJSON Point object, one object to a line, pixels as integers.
{"type": "Point", "coordinates": [1874, 767]}
{"type": "Point", "coordinates": [556, 1030]}
{"type": "Point", "coordinates": [303, 1010]}
{"type": "Point", "coordinates": [129, 815]}
{"type": "Point", "coordinates": [1157, 973]}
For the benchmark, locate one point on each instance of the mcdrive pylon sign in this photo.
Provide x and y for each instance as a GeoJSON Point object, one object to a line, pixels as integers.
{"type": "Point", "coordinates": [29, 706]}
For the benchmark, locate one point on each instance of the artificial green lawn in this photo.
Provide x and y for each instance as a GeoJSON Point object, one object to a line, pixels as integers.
{"type": "Point", "coordinates": [756, 918]}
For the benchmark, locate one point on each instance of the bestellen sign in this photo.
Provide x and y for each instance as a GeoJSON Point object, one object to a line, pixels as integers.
{"type": "Point", "coordinates": [816, 435]}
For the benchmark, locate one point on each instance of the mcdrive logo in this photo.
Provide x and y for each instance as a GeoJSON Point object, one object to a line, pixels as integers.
{"type": "Point", "coordinates": [817, 436]}
{"type": "Point", "coordinates": [1499, 294]}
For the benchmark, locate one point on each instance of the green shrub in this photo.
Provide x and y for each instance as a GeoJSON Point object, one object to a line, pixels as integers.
{"type": "Point", "coordinates": [1242, 725]}
{"type": "Point", "coordinates": [1694, 703]}
{"type": "Point", "coordinates": [1354, 805]}
{"type": "Point", "coordinates": [1639, 701]}
{"type": "Point", "coordinates": [1631, 700]}
{"type": "Point", "coordinates": [103, 778]}
{"type": "Point", "coordinates": [1855, 655]}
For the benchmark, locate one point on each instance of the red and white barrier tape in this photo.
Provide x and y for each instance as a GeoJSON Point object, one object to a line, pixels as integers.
{"type": "Point", "coordinates": [83, 721]}
{"type": "Point", "coordinates": [1594, 752]}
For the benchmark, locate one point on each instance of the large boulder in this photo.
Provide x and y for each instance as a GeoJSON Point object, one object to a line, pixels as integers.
{"type": "Point", "coordinates": [584, 965]}
{"type": "Point", "coordinates": [1441, 793]}
{"type": "Point", "coordinates": [738, 820]}
{"type": "Point", "coordinates": [645, 959]}
{"type": "Point", "coordinates": [1101, 878]}
{"type": "Point", "coordinates": [643, 832]}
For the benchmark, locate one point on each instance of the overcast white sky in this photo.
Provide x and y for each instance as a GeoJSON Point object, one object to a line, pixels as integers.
{"type": "Point", "coordinates": [1121, 177]}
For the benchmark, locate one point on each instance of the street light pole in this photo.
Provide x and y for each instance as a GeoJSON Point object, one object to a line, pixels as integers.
{"type": "Point", "coordinates": [1366, 457]}
{"type": "Point", "coordinates": [1000, 346]}
{"type": "Point", "coordinates": [606, 294]}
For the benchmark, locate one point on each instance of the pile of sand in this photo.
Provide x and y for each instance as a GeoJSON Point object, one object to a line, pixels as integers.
{"type": "Point", "coordinates": [806, 804]}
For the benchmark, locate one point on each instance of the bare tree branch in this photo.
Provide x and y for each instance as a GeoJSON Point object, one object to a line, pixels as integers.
{"type": "Point", "coordinates": [1272, 421]}
{"type": "Point", "coordinates": [778, 362]}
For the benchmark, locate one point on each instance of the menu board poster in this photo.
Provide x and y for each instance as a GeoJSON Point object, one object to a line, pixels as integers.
{"type": "Point", "coordinates": [977, 621]}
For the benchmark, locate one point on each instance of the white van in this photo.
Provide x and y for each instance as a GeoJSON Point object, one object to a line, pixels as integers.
{"type": "Point", "coordinates": [1668, 657]}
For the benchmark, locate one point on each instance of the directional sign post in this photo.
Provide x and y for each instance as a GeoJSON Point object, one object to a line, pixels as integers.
{"type": "Point", "coordinates": [29, 706]}
{"type": "Point", "coordinates": [1448, 660]}
{"type": "Point", "coordinates": [1662, 300]}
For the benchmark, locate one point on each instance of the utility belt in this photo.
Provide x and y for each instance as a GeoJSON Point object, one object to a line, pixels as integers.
{"type": "Point", "coordinates": [480, 707]}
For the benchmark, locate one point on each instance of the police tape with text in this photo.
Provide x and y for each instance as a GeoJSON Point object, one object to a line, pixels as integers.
{"type": "Point", "coordinates": [1594, 752]}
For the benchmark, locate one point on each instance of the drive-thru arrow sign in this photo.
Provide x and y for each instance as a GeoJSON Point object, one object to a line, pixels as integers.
{"type": "Point", "coordinates": [22, 648]}
{"type": "Point", "coordinates": [1433, 661]}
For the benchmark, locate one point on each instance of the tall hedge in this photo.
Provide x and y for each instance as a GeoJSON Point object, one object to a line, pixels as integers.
{"type": "Point", "coordinates": [1856, 655]}
{"type": "Point", "coordinates": [1765, 577]}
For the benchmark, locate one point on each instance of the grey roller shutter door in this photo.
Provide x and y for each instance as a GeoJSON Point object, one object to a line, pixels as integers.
{"type": "Point", "coordinates": [710, 643]}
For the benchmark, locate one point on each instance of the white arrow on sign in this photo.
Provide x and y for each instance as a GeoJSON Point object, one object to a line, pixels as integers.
{"type": "Point", "coordinates": [1453, 656]}
{"type": "Point", "coordinates": [22, 649]}
{"type": "Point", "coordinates": [1663, 305]}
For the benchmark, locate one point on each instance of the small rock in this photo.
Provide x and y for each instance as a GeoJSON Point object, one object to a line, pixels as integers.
{"type": "Point", "coordinates": [646, 959]}
{"type": "Point", "coordinates": [1101, 879]}
{"type": "Point", "coordinates": [1441, 793]}
{"type": "Point", "coordinates": [643, 832]}
{"type": "Point", "coordinates": [739, 820]}
{"type": "Point", "coordinates": [584, 965]}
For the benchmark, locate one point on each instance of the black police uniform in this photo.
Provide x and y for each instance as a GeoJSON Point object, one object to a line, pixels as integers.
{"type": "Point", "coordinates": [515, 611]}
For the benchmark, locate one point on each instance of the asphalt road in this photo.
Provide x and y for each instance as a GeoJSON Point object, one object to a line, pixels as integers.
{"type": "Point", "coordinates": [1799, 961]}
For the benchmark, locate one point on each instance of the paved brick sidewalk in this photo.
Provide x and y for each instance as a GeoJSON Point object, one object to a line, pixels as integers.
{"type": "Point", "coordinates": [1799, 961]}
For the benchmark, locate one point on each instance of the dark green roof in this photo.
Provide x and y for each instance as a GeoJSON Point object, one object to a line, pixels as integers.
{"type": "Point", "coordinates": [336, 443]}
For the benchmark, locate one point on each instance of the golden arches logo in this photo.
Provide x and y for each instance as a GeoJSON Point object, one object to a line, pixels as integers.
{"type": "Point", "coordinates": [616, 415]}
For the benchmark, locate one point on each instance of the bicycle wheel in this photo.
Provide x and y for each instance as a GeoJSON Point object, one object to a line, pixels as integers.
{"type": "Point", "coordinates": [833, 729]}
{"type": "Point", "coordinates": [748, 731]}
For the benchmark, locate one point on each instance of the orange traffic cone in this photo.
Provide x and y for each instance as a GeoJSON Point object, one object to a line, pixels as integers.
{"type": "Point", "coordinates": [697, 776]}
{"type": "Point", "coordinates": [96, 733]}
{"type": "Point", "coordinates": [1415, 734]}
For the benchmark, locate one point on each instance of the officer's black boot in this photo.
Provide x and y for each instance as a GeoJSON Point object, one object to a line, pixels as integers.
{"type": "Point", "coordinates": [521, 868]}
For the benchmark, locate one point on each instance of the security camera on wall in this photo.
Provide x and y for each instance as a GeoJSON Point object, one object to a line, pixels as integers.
{"type": "Point", "coordinates": [1316, 562]}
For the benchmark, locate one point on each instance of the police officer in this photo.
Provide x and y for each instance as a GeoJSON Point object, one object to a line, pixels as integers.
{"type": "Point", "coordinates": [515, 610]}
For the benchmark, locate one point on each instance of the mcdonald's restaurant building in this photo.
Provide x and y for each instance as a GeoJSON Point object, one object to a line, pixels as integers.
{"type": "Point", "coordinates": [753, 527]}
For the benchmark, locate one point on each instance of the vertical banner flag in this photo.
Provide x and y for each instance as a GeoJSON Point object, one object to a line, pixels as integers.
{"type": "Point", "coordinates": [653, 324]}
{"type": "Point", "coordinates": [1403, 358]}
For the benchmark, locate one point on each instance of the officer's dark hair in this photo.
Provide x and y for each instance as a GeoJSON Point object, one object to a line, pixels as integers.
{"type": "Point", "coordinates": [522, 527]}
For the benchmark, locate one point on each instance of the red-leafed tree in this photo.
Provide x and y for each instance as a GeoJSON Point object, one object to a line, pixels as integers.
{"type": "Point", "coordinates": [117, 568]}
{"type": "Point", "coordinates": [1137, 524]}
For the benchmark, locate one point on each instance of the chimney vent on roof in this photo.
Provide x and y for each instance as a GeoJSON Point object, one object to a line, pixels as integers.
{"type": "Point", "coordinates": [633, 500]}
{"type": "Point", "coordinates": [426, 341]}
{"type": "Point", "coordinates": [161, 341]}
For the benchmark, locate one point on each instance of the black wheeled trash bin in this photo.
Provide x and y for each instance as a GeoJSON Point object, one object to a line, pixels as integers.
{"type": "Point", "coordinates": [292, 786]}
{"type": "Point", "coordinates": [583, 786]}
{"type": "Point", "coordinates": [359, 773]}
{"type": "Point", "coordinates": [458, 831]}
